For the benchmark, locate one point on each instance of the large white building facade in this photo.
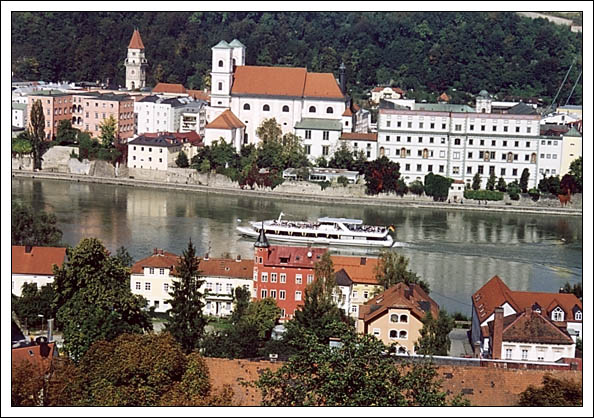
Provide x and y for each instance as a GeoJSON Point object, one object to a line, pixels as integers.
{"type": "Point", "coordinates": [170, 114]}
{"type": "Point", "coordinates": [458, 141]}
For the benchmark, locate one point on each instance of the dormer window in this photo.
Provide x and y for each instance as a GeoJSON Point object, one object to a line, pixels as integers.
{"type": "Point", "coordinates": [578, 316]}
{"type": "Point", "coordinates": [557, 314]}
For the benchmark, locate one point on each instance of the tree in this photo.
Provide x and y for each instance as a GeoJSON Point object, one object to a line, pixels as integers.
{"type": "Point", "coordinates": [553, 392]}
{"type": "Point", "coordinates": [434, 339]}
{"type": "Point", "coordinates": [569, 184]}
{"type": "Point", "coordinates": [576, 289]}
{"type": "Point", "coordinates": [241, 302]}
{"type": "Point", "coordinates": [524, 180]}
{"type": "Point", "coordinates": [124, 257]}
{"type": "Point", "coordinates": [513, 190]}
{"type": "Point", "coordinates": [93, 298]}
{"type": "Point", "coordinates": [381, 176]}
{"type": "Point", "coordinates": [437, 186]}
{"type": "Point", "coordinates": [37, 133]}
{"type": "Point", "coordinates": [321, 162]}
{"type": "Point", "coordinates": [186, 322]}
{"type": "Point", "coordinates": [491, 182]}
{"type": "Point", "coordinates": [576, 170]}
{"type": "Point", "coordinates": [269, 130]}
{"type": "Point", "coordinates": [360, 162]}
{"type": "Point", "coordinates": [501, 186]}
{"type": "Point", "coordinates": [476, 182]}
{"type": "Point", "coordinates": [29, 227]}
{"type": "Point", "coordinates": [21, 144]}
{"type": "Point", "coordinates": [393, 269]}
{"type": "Point", "coordinates": [27, 384]}
{"type": "Point", "coordinates": [293, 154]}
{"type": "Point", "coordinates": [67, 135]}
{"type": "Point", "coordinates": [342, 158]}
{"type": "Point", "coordinates": [109, 133]}
{"type": "Point", "coordinates": [34, 302]}
{"type": "Point", "coordinates": [356, 373]}
{"type": "Point", "coordinates": [416, 187]}
{"type": "Point", "coordinates": [182, 160]}
{"type": "Point", "coordinates": [270, 154]}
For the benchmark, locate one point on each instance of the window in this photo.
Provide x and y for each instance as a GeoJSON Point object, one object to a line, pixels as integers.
{"type": "Point", "coordinates": [312, 109]}
{"type": "Point", "coordinates": [408, 139]}
{"type": "Point", "coordinates": [457, 141]}
{"type": "Point", "coordinates": [399, 124]}
{"type": "Point", "coordinates": [264, 293]}
{"type": "Point", "coordinates": [229, 288]}
{"type": "Point", "coordinates": [307, 134]}
{"type": "Point", "coordinates": [468, 170]}
{"type": "Point", "coordinates": [285, 108]}
{"type": "Point", "coordinates": [578, 316]}
{"type": "Point", "coordinates": [365, 294]}
{"type": "Point", "coordinates": [456, 156]}
{"type": "Point", "coordinates": [264, 278]}
{"type": "Point", "coordinates": [419, 153]}
{"type": "Point", "coordinates": [151, 270]}
{"type": "Point", "coordinates": [404, 318]}
{"type": "Point", "coordinates": [431, 139]}
{"type": "Point", "coordinates": [526, 157]}
{"type": "Point", "coordinates": [503, 172]}
{"type": "Point", "coordinates": [325, 150]}
{"type": "Point", "coordinates": [220, 86]}
{"type": "Point", "coordinates": [310, 278]}
{"type": "Point", "coordinates": [557, 314]}
{"type": "Point", "coordinates": [471, 127]}
{"type": "Point", "coordinates": [387, 138]}
{"type": "Point", "coordinates": [494, 128]}
{"type": "Point", "coordinates": [246, 106]}
{"type": "Point", "coordinates": [376, 332]}
{"type": "Point", "coordinates": [524, 354]}
{"type": "Point", "coordinates": [166, 287]}
{"type": "Point", "coordinates": [407, 167]}
{"type": "Point", "coordinates": [266, 108]}
{"type": "Point", "coordinates": [388, 123]}
{"type": "Point", "coordinates": [283, 278]}
{"type": "Point", "coordinates": [528, 129]}
{"type": "Point", "coordinates": [527, 144]}
{"type": "Point", "coordinates": [480, 169]}
{"type": "Point", "coordinates": [156, 304]}
{"type": "Point", "coordinates": [517, 129]}
{"type": "Point", "coordinates": [409, 124]}
{"type": "Point", "coordinates": [508, 353]}
{"type": "Point", "coordinates": [329, 110]}
{"type": "Point", "coordinates": [457, 127]}
{"type": "Point", "coordinates": [394, 318]}
{"type": "Point", "coordinates": [220, 63]}
{"type": "Point", "coordinates": [325, 135]}
{"type": "Point", "coordinates": [456, 170]}
{"type": "Point", "coordinates": [147, 286]}
{"type": "Point", "coordinates": [161, 271]}
{"type": "Point", "coordinates": [419, 167]}
{"type": "Point", "coordinates": [393, 334]}
{"type": "Point", "coordinates": [432, 125]}
{"type": "Point", "coordinates": [298, 279]}
{"type": "Point", "coordinates": [282, 294]}
{"type": "Point", "coordinates": [514, 172]}
{"type": "Point", "coordinates": [272, 277]}
{"type": "Point", "coordinates": [420, 140]}
{"type": "Point", "coordinates": [297, 295]}
{"type": "Point", "coordinates": [273, 294]}
{"type": "Point", "coordinates": [137, 285]}
{"type": "Point", "coordinates": [441, 168]}
{"type": "Point", "coordinates": [505, 129]}
{"type": "Point", "coordinates": [403, 335]}
{"type": "Point", "coordinates": [442, 154]}
{"type": "Point", "coordinates": [443, 126]}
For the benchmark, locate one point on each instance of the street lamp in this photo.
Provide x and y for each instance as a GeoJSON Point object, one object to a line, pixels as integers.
{"type": "Point", "coordinates": [41, 316]}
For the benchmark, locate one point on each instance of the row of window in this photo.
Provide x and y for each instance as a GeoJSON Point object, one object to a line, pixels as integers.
{"type": "Point", "coordinates": [218, 287]}
{"type": "Point", "coordinates": [150, 149]}
{"type": "Point", "coordinates": [456, 169]}
{"type": "Point", "coordinates": [150, 159]}
{"type": "Point", "coordinates": [394, 334]}
{"type": "Point", "coordinates": [285, 108]}
{"type": "Point", "coordinates": [283, 278]}
{"type": "Point", "coordinates": [282, 294]}
{"type": "Point", "coordinates": [457, 127]}
{"type": "Point", "coordinates": [458, 141]}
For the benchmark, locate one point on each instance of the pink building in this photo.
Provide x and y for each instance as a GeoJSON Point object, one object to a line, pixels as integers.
{"type": "Point", "coordinates": [56, 105]}
{"type": "Point", "coordinates": [91, 109]}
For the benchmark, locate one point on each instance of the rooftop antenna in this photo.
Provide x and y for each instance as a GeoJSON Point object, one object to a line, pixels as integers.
{"type": "Point", "coordinates": [573, 88]}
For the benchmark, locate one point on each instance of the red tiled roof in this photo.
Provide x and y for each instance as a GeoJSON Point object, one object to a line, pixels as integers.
{"type": "Point", "coordinates": [357, 136]}
{"type": "Point", "coordinates": [297, 256]}
{"type": "Point", "coordinates": [38, 261]}
{"type": "Point", "coordinates": [322, 85]}
{"type": "Point", "coordinates": [136, 41]}
{"type": "Point", "coordinates": [444, 97]}
{"type": "Point", "coordinates": [394, 89]}
{"type": "Point", "coordinates": [225, 267]}
{"type": "Point", "coordinates": [359, 269]}
{"type": "Point", "coordinates": [347, 112]}
{"type": "Point", "coordinates": [169, 88]}
{"type": "Point", "coordinates": [226, 120]}
{"type": "Point", "coordinates": [495, 293]}
{"type": "Point", "coordinates": [402, 296]}
{"type": "Point", "coordinates": [162, 259]}
{"type": "Point", "coordinates": [531, 327]}
{"type": "Point", "coordinates": [199, 94]}
{"type": "Point", "coordinates": [32, 354]}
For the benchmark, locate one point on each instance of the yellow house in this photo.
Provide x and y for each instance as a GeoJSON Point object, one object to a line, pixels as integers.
{"type": "Point", "coordinates": [395, 316]}
{"type": "Point", "coordinates": [571, 151]}
{"type": "Point", "coordinates": [361, 271]}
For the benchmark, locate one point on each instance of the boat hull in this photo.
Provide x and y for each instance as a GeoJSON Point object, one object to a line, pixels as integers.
{"type": "Point", "coordinates": [251, 233]}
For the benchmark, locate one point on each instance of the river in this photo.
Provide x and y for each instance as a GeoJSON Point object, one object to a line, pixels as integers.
{"type": "Point", "coordinates": [456, 252]}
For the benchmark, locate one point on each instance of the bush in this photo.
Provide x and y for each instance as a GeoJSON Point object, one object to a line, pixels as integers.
{"type": "Point", "coordinates": [534, 194]}
{"type": "Point", "coordinates": [483, 195]}
{"type": "Point", "coordinates": [204, 166]}
{"type": "Point", "coordinates": [342, 180]}
{"type": "Point", "coordinates": [416, 187]}
{"type": "Point", "coordinates": [324, 184]}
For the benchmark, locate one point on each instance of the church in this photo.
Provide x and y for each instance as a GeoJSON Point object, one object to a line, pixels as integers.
{"type": "Point", "coordinates": [312, 105]}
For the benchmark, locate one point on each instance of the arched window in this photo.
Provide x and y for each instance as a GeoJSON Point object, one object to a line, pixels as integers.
{"type": "Point", "coordinates": [578, 316]}
{"type": "Point", "coordinates": [266, 108]}
{"type": "Point", "coordinates": [285, 108]}
{"type": "Point", "coordinates": [483, 110]}
{"type": "Point", "coordinates": [403, 152]}
{"type": "Point", "coordinates": [393, 334]}
{"type": "Point", "coordinates": [220, 63]}
{"type": "Point", "coordinates": [312, 109]}
{"type": "Point", "coordinates": [329, 110]}
{"type": "Point", "coordinates": [403, 318]}
{"type": "Point", "coordinates": [220, 86]}
{"type": "Point", "coordinates": [403, 335]}
{"type": "Point", "coordinates": [246, 106]}
{"type": "Point", "coordinates": [394, 318]}
{"type": "Point", "coordinates": [533, 158]}
{"type": "Point", "coordinates": [425, 153]}
{"type": "Point", "coordinates": [557, 314]}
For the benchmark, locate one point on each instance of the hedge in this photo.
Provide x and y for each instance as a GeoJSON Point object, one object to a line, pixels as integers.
{"type": "Point", "coordinates": [483, 195]}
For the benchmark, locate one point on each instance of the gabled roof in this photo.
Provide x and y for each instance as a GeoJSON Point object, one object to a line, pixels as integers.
{"type": "Point", "coordinates": [359, 269]}
{"type": "Point", "coordinates": [225, 267]}
{"type": "Point", "coordinates": [410, 297]}
{"type": "Point", "coordinates": [522, 109]}
{"type": "Point", "coordinates": [531, 327]}
{"type": "Point", "coordinates": [226, 120]}
{"type": "Point", "coordinates": [159, 259]}
{"type": "Point", "coordinates": [38, 261]}
{"type": "Point", "coordinates": [169, 88]}
{"type": "Point", "coordinates": [573, 132]}
{"type": "Point", "coordinates": [192, 136]}
{"type": "Point", "coordinates": [322, 85]}
{"type": "Point", "coordinates": [342, 278]}
{"type": "Point", "coordinates": [358, 136]}
{"type": "Point", "coordinates": [136, 41]}
{"type": "Point", "coordinates": [199, 94]}
{"type": "Point", "coordinates": [394, 89]}
{"type": "Point", "coordinates": [294, 256]}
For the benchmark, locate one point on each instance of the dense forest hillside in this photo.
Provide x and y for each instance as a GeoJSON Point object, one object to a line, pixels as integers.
{"type": "Point", "coordinates": [429, 52]}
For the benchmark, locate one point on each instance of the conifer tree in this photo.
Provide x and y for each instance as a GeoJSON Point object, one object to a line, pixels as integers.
{"type": "Point", "coordinates": [524, 180]}
{"type": "Point", "coordinates": [186, 321]}
{"type": "Point", "coordinates": [476, 182]}
{"type": "Point", "coordinates": [37, 133]}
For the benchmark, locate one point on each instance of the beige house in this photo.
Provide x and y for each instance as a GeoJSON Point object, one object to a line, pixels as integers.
{"type": "Point", "coordinates": [395, 316]}
{"type": "Point", "coordinates": [362, 284]}
{"type": "Point", "coordinates": [571, 151]}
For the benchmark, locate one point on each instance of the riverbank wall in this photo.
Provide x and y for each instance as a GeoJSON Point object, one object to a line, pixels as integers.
{"type": "Point", "coordinates": [58, 165]}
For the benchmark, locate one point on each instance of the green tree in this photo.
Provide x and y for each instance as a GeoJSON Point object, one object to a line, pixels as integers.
{"type": "Point", "coordinates": [576, 170]}
{"type": "Point", "coordinates": [437, 186]}
{"type": "Point", "coordinates": [241, 302]}
{"type": "Point", "coordinates": [124, 257]}
{"type": "Point", "coordinates": [342, 157]}
{"type": "Point", "coordinates": [569, 184]}
{"type": "Point", "coordinates": [109, 132]}
{"type": "Point", "coordinates": [356, 373]}
{"type": "Point", "coordinates": [416, 187]}
{"type": "Point", "coordinates": [93, 298]}
{"type": "Point", "coordinates": [501, 186]}
{"type": "Point", "coordinates": [381, 176]}
{"type": "Point", "coordinates": [524, 180]}
{"type": "Point", "coordinates": [186, 322]}
{"type": "Point", "coordinates": [359, 162]}
{"type": "Point", "coordinates": [67, 135]}
{"type": "Point", "coordinates": [553, 392]}
{"type": "Point", "coordinates": [434, 339]}
{"type": "Point", "coordinates": [222, 154]}
{"type": "Point", "coordinates": [182, 160]}
{"type": "Point", "coordinates": [576, 289]}
{"type": "Point", "coordinates": [393, 269]}
{"type": "Point", "coordinates": [37, 133]}
{"type": "Point", "coordinates": [293, 154]}
{"type": "Point", "coordinates": [270, 154]}
{"type": "Point", "coordinates": [321, 162]}
{"type": "Point", "coordinates": [36, 228]}
{"type": "Point", "coordinates": [513, 190]}
{"type": "Point", "coordinates": [491, 182]}
{"type": "Point", "coordinates": [269, 130]}
{"type": "Point", "coordinates": [34, 302]}
{"type": "Point", "coordinates": [476, 182]}
{"type": "Point", "coordinates": [21, 144]}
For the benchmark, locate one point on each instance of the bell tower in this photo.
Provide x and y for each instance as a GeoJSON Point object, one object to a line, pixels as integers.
{"type": "Point", "coordinates": [135, 63]}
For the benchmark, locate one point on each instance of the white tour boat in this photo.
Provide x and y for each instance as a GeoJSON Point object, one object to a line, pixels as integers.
{"type": "Point", "coordinates": [326, 231]}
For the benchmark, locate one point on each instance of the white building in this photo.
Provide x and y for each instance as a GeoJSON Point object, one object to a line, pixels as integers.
{"type": "Point", "coordinates": [382, 93]}
{"type": "Point", "coordinates": [153, 152]}
{"type": "Point", "coordinates": [135, 63]}
{"type": "Point", "coordinates": [357, 142]}
{"type": "Point", "coordinates": [34, 265]}
{"type": "Point", "coordinates": [19, 115]}
{"type": "Point", "coordinates": [559, 119]}
{"type": "Point", "coordinates": [170, 114]}
{"type": "Point", "coordinates": [320, 136]}
{"type": "Point", "coordinates": [226, 126]}
{"type": "Point", "coordinates": [153, 278]}
{"type": "Point", "coordinates": [458, 141]}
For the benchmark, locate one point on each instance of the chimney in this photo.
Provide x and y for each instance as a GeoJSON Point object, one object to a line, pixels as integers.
{"type": "Point", "coordinates": [154, 251]}
{"type": "Point", "coordinates": [43, 346]}
{"type": "Point", "coordinates": [50, 329]}
{"type": "Point", "coordinates": [206, 256]}
{"type": "Point", "coordinates": [28, 249]}
{"type": "Point", "coordinates": [497, 337]}
{"type": "Point", "coordinates": [238, 259]}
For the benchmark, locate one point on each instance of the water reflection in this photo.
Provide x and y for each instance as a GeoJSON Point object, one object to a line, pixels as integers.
{"type": "Point", "coordinates": [455, 251]}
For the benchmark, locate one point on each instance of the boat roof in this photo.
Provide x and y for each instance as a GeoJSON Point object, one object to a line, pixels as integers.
{"type": "Point", "coordinates": [341, 220]}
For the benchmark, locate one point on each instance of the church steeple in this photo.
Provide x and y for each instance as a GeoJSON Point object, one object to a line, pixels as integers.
{"type": "Point", "coordinates": [135, 63]}
{"type": "Point", "coordinates": [262, 241]}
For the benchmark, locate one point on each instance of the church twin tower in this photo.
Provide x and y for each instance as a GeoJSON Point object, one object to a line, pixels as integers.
{"type": "Point", "coordinates": [135, 63]}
